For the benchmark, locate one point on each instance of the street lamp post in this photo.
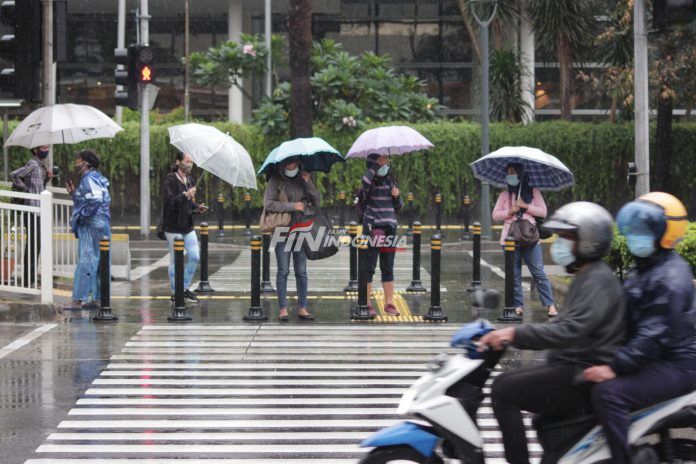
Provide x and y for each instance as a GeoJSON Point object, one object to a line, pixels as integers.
{"type": "Point", "coordinates": [485, 113]}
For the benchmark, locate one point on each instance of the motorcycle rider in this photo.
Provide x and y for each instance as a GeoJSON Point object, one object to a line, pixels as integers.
{"type": "Point", "coordinates": [588, 331]}
{"type": "Point", "coordinates": [659, 360]}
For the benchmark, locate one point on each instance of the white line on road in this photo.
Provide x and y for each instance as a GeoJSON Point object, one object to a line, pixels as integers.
{"type": "Point", "coordinates": [20, 342]}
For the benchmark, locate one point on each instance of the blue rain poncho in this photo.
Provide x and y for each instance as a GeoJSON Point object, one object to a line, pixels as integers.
{"type": "Point", "coordinates": [90, 221]}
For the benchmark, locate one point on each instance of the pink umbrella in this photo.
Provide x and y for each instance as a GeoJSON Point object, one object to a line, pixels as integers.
{"type": "Point", "coordinates": [389, 140]}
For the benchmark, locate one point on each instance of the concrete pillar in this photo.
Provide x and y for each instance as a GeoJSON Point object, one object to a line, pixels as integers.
{"type": "Point", "coordinates": [528, 77]}
{"type": "Point", "coordinates": [234, 32]}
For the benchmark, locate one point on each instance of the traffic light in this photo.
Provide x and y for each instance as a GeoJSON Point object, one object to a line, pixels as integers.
{"type": "Point", "coordinates": [667, 13]}
{"type": "Point", "coordinates": [137, 60]}
{"type": "Point", "coordinates": [22, 48]}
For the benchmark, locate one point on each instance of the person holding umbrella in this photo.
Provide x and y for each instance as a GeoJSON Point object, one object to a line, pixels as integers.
{"type": "Point", "coordinates": [522, 201]}
{"type": "Point", "coordinates": [90, 221]}
{"type": "Point", "coordinates": [291, 190]}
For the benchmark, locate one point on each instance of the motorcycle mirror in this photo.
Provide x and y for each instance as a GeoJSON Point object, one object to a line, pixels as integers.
{"type": "Point", "coordinates": [485, 299]}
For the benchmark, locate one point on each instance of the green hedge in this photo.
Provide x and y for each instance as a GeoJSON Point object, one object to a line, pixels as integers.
{"type": "Point", "coordinates": [597, 154]}
{"type": "Point", "coordinates": [620, 259]}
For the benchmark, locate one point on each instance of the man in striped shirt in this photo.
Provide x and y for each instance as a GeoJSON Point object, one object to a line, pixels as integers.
{"type": "Point", "coordinates": [32, 178]}
{"type": "Point", "coordinates": [379, 222]}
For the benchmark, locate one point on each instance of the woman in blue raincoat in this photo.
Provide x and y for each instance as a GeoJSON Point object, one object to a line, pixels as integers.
{"type": "Point", "coordinates": [90, 221]}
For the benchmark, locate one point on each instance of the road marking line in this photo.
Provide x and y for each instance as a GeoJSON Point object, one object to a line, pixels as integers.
{"type": "Point", "coordinates": [20, 342]}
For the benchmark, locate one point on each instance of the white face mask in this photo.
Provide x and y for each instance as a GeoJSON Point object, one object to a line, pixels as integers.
{"type": "Point", "coordinates": [562, 252]}
{"type": "Point", "coordinates": [292, 172]}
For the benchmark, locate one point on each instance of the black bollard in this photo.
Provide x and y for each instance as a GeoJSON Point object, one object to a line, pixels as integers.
{"type": "Point", "coordinates": [476, 262]}
{"type": "Point", "coordinates": [466, 210]}
{"type": "Point", "coordinates": [409, 208]}
{"type": "Point", "coordinates": [247, 214]}
{"type": "Point", "coordinates": [438, 212]}
{"type": "Point", "coordinates": [361, 312]}
{"type": "Point", "coordinates": [220, 213]}
{"type": "Point", "coordinates": [509, 309]}
{"type": "Point", "coordinates": [204, 285]}
{"type": "Point", "coordinates": [266, 285]}
{"type": "Point", "coordinates": [416, 284]}
{"type": "Point", "coordinates": [255, 313]}
{"type": "Point", "coordinates": [179, 307]}
{"type": "Point", "coordinates": [353, 258]}
{"type": "Point", "coordinates": [435, 312]}
{"type": "Point", "coordinates": [105, 314]}
{"type": "Point", "coordinates": [341, 213]}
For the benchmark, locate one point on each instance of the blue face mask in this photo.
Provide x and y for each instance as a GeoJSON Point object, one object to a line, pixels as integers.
{"type": "Point", "coordinates": [512, 179]}
{"type": "Point", "coordinates": [642, 246]}
{"type": "Point", "coordinates": [383, 171]}
{"type": "Point", "coordinates": [562, 252]}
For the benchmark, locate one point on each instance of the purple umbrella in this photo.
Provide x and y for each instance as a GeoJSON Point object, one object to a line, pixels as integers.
{"type": "Point", "coordinates": [390, 140]}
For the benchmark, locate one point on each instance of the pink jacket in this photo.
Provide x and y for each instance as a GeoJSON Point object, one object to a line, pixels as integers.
{"type": "Point", "coordinates": [500, 213]}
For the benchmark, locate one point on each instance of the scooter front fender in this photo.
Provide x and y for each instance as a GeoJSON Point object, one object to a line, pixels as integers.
{"type": "Point", "coordinates": [418, 437]}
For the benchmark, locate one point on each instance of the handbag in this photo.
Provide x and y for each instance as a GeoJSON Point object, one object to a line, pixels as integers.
{"type": "Point", "coordinates": [271, 219]}
{"type": "Point", "coordinates": [524, 232]}
{"type": "Point", "coordinates": [327, 241]}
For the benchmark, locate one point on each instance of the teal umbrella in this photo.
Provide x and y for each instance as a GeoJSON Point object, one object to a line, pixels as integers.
{"type": "Point", "coordinates": [314, 153]}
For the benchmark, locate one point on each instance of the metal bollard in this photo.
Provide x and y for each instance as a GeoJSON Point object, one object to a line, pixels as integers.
{"type": "Point", "coordinates": [361, 312]}
{"type": "Point", "coordinates": [353, 258]}
{"type": "Point", "coordinates": [266, 285]}
{"type": "Point", "coordinates": [466, 210]}
{"type": "Point", "coordinates": [105, 282]}
{"type": "Point", "coordinates": [438, 212]}
{"type": "Point", "coordinates": [509, 309]}
{"type": "Point", "coordinates": [409, 208]}
{"type": "Point", "coordinates": [476, 262]}
{"type": "Point", "coordinates": [255, 313]}
{"type": "Point", "coordinates": [342, 213]}
{"type": "Point", "coordinates": [179, 307]}
{"type": "Point", "coordinates": [220, 213]}
{"type": "Point", "coordinates": [204, 285]}
{"type": "Point", "coordinates": [247, 214]}
{"type": "Point", "coordinates": [416, 284]}
{"type": "Point", "coordinates": [435, 312]}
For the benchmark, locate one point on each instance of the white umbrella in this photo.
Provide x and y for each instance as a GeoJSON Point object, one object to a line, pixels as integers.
{"type": "Point", "coordinates": [216, 152]}
{"type": "Point", "coordinates": [59, 124]}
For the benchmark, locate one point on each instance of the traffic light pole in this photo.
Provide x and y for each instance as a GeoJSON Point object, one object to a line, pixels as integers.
{"type": "Point", "coordinates": [120, 43]}
{"type": "Point", "coordinates": [144, 131]}
{"type": "Point", "coordinates": [48, 82]}
{"type": "Point", "coordinates": [642, 128]}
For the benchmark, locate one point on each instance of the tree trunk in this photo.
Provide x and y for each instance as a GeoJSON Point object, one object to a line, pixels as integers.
{"type": "Point", "coordinates": [614, 106]}
{"type": "Point", "coordinates": [300, 39]}
{"type": "Point", "coordinates": [663, 144]}
{"type": "Point", "coordinates": [565, 61]}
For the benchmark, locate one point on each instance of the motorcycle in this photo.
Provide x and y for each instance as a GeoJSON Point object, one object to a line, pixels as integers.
{"type": "Point", "coordinates": [444, 402]}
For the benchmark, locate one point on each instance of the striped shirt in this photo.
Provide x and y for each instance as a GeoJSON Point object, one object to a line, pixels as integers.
{"type": "Point", "coordinates": [30, 178]}
{"type": "Point", "coordinates": [381, 207]}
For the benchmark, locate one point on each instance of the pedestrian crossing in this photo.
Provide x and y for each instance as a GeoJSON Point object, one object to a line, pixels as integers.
{"type": "Point", "coordinates": [213, 394]}
{"type": "Point", "coordinates": [325, 275]}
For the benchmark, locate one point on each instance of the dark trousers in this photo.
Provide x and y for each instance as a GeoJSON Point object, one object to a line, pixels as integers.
{"type": "Point", "coordinates": [386, 257]}
{"type": "Point", "coordinates": [615, 399]}
{"type": "Point", "coordinates": [32, 247]}
{"type": "Point", "coordinates": [549, 390]}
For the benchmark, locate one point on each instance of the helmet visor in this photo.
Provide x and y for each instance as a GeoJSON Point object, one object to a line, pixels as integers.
{"type": "Point", "coordinates": [641, 218]}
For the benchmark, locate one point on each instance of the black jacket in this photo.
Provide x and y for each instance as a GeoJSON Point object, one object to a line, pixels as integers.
{"type": "Point", "coordinates": [178, 210]}
{"type": "Point", "coordinates": [661, 315]}
{"type": "Point", "coordinates": [590, 326]}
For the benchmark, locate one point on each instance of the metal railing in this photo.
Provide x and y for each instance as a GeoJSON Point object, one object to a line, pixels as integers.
{"type": "Point", "coordinates": [27, 254]}
{"type": "Point", "coordinates": [64, 241]}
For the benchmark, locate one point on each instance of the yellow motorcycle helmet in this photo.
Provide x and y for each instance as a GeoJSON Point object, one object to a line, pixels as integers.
{"type": "Point", "coordinates": [674, 215]}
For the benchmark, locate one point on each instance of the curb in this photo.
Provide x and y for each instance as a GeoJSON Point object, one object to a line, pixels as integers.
{"type": "Point", "coordinates": [17, 311]}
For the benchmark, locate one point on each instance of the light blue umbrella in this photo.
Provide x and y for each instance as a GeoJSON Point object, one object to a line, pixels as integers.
{"type": "Point", "coordinates": [314, 153]}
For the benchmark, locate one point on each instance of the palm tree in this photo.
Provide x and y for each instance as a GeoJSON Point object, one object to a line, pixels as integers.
{"type": "Point", "coordinates": [300, 40]}
{"type": "Point", "coordinates": [565, 26]}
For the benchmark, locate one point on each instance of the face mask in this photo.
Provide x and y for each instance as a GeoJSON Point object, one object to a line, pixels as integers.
{"type": "Point", "coordinates": [642, 246]}
{"type": "Point", "coordinates": [186, 167]}
{"type": "Point", "coordinates": [512, 179]}
{"type": "Point", "coordinates": [562, 252]}
{"type": "Point", "coordinates": [80, 167]}
{"type": "Point", "coordinates": [43, 154]}
{"type": "Point", "coordinates": [291, 172]}
{"type": "Point", "coordinates": [383, 170]}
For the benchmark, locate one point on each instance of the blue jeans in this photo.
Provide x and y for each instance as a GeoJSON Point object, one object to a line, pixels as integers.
{"type": "Point", "coordinates": [87, 270]}
{"type": "Point", "coordinates": [534, 260]}
{"type": "Point", "coordinates": [300, 264]}
{"type": "Point", "coordinates": [192, 252]}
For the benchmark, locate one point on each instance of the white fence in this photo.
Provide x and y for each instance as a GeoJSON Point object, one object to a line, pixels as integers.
{"type": "Point", "coordinates": [27, 259]}
{"type": "Point", "coordinates": [64, 241]}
